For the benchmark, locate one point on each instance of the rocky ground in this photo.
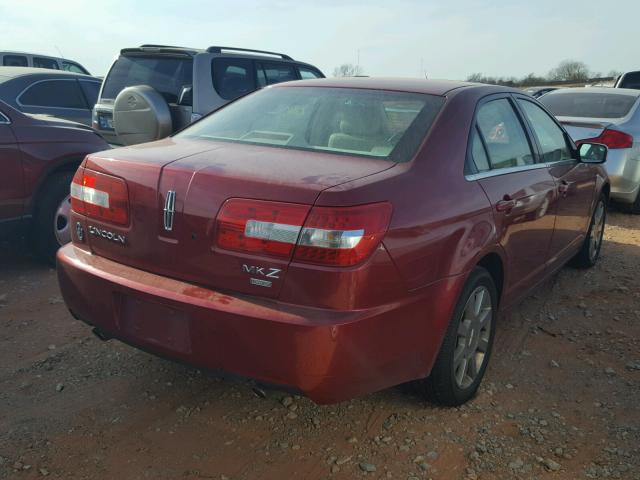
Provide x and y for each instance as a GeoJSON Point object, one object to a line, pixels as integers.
{"type": "Point", "coordinates": [560, 399]}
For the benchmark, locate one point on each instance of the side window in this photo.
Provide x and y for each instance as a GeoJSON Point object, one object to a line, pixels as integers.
{"type": "Point", "coordinates": [272, 72]}
{"type": "Point", "coordinates": [550, 136]}
{"type": "Point", "coordinates": [73, 67]}
{"type": "Point", "coordinates": [54, 93]}
{"type": "Point", "coordinates": [503, 135]}
{"type": "Point", "coordinates": [478, 152]}
{"type": "Point", "coordinates": [308, 74]}
{"type": "Point", "coordinates": [232, 77]}
{"type": "Point", "coordinates": [15, 61]}
{"type": "Point", "coordinates": [41, 62]}
{"type": "Point", "coordinates": [91, 91]}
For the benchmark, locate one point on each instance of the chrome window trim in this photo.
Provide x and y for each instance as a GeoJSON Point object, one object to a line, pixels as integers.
{"type": "Point", "coordinates": [504, 171]}
{"type": "Point", "coordinates": [4, 120]}
{"type": "Point", "coordinates": [46, 106]}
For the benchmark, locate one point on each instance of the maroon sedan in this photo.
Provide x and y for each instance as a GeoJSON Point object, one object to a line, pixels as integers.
{"type": "Point", "coordinates": [335, 237]}
{"type": "Point", "coordinates": [38, 156]}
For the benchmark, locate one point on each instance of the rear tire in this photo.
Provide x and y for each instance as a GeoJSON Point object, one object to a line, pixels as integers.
{"type": "Point", "coordinates": [590, 250]}
{"type": "Point", "coordinates": [48, 229]}
{"type": "Point", "coordinates": [466, 348]}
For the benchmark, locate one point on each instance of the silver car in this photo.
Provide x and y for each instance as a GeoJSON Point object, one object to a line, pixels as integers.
{"type": "Point", "coordinates": [611, 117]}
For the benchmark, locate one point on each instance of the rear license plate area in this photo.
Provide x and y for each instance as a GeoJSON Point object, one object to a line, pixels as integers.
{"type": "Point", "coordinates": [155, 324]}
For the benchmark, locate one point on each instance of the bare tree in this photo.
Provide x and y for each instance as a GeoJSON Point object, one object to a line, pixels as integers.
{"type": "Point", "coordinates": [348, 70]}
{"type": "Point", "coordinates": [570, 70]}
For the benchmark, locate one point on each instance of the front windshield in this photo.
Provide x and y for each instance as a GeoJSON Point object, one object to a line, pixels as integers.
{"type": "Point", "coordinates": [373, 123]}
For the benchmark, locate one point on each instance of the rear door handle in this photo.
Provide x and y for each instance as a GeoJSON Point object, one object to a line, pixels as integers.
{"type": "Point", "coordinates": [506, 204]}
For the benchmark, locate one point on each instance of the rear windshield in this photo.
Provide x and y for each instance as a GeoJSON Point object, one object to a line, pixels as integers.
{"type": "Point", "coordinates": [630, 80]}
{"type": "Point", "coordinates": [372, 123]}
{"type": "Point", "coordinates": [585, 104]}
{"type": "Point", "coordinates": [165, 74]}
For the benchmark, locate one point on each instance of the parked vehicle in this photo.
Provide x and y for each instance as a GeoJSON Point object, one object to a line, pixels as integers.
{"type": "Point", "coordinates": [537, 92]}
{"type": "Point", "coordinates": [155, 90]}
{"type": "Point", "coordinates": [611, 117]}
{"type": "Point", "coordinates": [334, 236]}
{"type": "Point", "coordinates": [64, 95]}
{"type": "Point", "coordinates": [38, 156]}
{"type": "Point", "coordinates": [35, 60]}
{"type": "Point", "coordinates": [629, 80]}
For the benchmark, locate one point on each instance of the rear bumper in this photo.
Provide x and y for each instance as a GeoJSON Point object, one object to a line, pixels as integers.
{"type": "Point", "coordinates": [328, 355]}
{"type": "Point", "coordinates": [623, 168]}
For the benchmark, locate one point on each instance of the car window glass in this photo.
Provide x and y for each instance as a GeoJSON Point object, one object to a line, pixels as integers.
{"type": "Point", "coordinates": [308, 74]}
{"type": "Point", "coordinates": [503, 135]}
{"type": "Point", "coordinates": [15, 61]}
{"type": "Point", "coordinates": [478, 153]}
{"type": "Point", "coordinates": [379, 124]}
{"type": "Point", "coordinates": [73, 67]}
{"type": "Point", "coordinates": [54, 93]}
{"type": "Point", "coordinates": [167, 75]}
{"type": "Point", "coordinates": [91, 91]}
{"type": "Point", "coordinates": [278, 72]}
{"type": "Point", "coordinates": [41, 62]}
{"type": "Point", "coordinates": [232, 77]}
{"type": "Point", "coordinates": [589, 104]}
{"type": "Point", "coordinates": [550, 137]}
{"type": "Point", "coordinates": [630, 80]}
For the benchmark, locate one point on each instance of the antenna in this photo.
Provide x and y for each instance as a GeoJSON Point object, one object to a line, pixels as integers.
{"type": "Point", "coordinates": [59, 51]}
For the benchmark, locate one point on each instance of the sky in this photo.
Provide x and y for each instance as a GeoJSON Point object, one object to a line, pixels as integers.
{"type": "Point", "coordinates": [408, 38]}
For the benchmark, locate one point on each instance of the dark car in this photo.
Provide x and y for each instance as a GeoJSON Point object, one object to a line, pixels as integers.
{"type": "Point", "coordinates": [629, 80]}
{"type": "Point", "coordinates": [334, 236]}
{"type": "Point", "coordinates": [66, 95]}
{"type": "Point", "coordinates": [38, 156]}
{"type": "Point", "coordinates": [152, 91]}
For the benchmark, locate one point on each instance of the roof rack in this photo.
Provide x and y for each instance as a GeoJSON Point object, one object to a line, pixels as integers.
{"type": "Point", "coordinates": [219, 50]}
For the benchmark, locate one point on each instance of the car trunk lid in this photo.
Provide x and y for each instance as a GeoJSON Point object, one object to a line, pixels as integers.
{"type": "Point", "coordinates": [580, 128]}
{"type": "Point", "coordinates": [201, 177]}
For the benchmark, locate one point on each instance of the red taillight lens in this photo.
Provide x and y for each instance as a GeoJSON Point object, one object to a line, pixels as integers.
{"type": "Point", "coordinates": [342, 236]}
{"type": "Point", "coordinates": [257, 226]}
{"type": "Point", "coordinates": [611, 138]}
{"type": "Point", "coordinates": [100, 196]}
{"type": "Point", "coordinates": [337, 236]}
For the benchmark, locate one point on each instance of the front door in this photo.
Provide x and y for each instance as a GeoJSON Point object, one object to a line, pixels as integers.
{"type": "Point", "coordinates": [520, 189]}
{"type": "Point", "coordinates": [575, 183]}
{"type": "Point", "coordinates": [11, 180]}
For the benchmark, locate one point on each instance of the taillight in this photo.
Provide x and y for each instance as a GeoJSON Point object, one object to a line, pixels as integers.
{"type": "Point", "coordinates": [342, 236]}
{"type": "Point", "coordinates": [338, 236]}
{"type": "Point", "coordinates": [100, 196]}
{"type": "Point", "coordinates": [611, 138]}
{"type": "Point", "coordinates": [257, 226]}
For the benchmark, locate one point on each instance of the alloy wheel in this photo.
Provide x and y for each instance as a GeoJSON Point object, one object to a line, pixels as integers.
{"type": "Point", "coordinates": [474, 333]}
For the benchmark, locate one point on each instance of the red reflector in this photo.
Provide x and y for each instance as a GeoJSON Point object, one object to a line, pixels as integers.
{"type": "Point", "coordinates": [257, 226]}
{"type": "Point", "coordinates": [342, 236]}
{"type": "Point", "coordinates": [100, 196]}
{"type": "Point", "coordinates": [611, 138]}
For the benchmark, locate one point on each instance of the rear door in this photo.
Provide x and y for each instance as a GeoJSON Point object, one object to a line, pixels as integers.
{"type": "Point", "coordinates": [575, 182]}
{"type": "Point", "coordinates": [62, 98]}
{"type": "Point", "coordinates": [520, 189]}
{"type": "Point", "coordinates": [11, 175]}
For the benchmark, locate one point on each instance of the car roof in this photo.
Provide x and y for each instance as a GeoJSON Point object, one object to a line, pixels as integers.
{"type": "Point", "coordinates": [613, 91]}
{"type": "Point", "coordinates": [414, 85]}
{"type": "Point", "coordinates": [9, 73]}
{"type": "Point", "coordinates": [13, 52]}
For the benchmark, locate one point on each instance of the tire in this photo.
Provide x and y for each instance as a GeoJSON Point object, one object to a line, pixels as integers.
{"type": "Point", "coordinates": [451, 383]}
{"type": "Point", "coordinates": [48, 233]}
{"type": "Point", "coordinates": [590, 249]}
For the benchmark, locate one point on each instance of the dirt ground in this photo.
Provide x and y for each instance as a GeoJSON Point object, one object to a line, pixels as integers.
{"type": "Point", "coordinates": [560, 399]}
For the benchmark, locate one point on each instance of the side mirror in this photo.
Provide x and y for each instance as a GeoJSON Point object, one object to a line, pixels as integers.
{"type": "Point", "coordinates": [186, 96]}
{"type": "Point", "coordinates": [593, 152]}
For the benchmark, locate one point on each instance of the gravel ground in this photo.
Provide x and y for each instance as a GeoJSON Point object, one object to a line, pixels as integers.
{"type": "Point", "coordinates": [560, 399]}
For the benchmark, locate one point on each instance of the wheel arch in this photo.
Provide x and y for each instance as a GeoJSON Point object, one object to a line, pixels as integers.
{"type": "Point", "coordinates": [68, 165]}
{"type": "Point", "coordinates": [494, 264]}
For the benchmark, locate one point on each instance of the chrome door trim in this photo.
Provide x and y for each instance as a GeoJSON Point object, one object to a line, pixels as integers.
{"type": "Point", "coordinates": [504, 171]}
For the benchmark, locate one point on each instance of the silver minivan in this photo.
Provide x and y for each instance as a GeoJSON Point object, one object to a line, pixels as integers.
{"type": "Point", "coordinates": [154, 90]}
